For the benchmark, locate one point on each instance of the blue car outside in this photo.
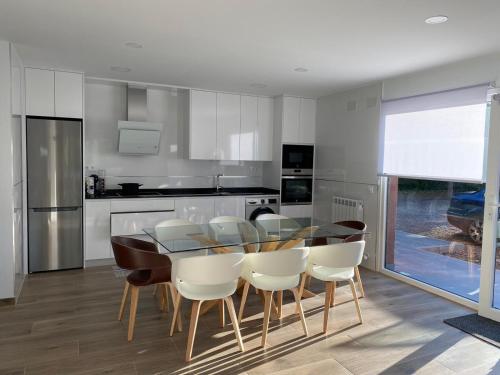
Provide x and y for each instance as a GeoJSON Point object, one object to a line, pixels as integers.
{"type": "Point", "coordinates": [466, 213]}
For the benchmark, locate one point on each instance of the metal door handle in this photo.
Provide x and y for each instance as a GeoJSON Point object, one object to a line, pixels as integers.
{"type": "Point", "coordinates": [55, 209]}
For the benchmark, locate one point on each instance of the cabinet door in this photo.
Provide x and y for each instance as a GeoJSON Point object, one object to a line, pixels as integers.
{"type": "Point", "coordinates": [39, 92]}
{"type": "Point", "coordinates": [197, 210]}
{"type": "Point", "coordinates": [291, 119]}
{"type": "Point", "coordinates": [249, 128]}
{"type": "Point", "coordinates": [228, 126]}
{"type": "Point", "coordinates": [203, 125]}
{"type": "Point", "coordinates": [264, 136]}
{"type": "Point", "coordinates": [229, 206]}
{"type": "Point", "coordinates": [307, 130]}
{"type": "Point", "coordinates": [97, 230]}
{"type": "Point", "coordinates": [69, 94]}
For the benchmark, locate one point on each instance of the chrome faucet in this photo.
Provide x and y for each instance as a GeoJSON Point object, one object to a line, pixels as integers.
{"type": "Point", "coordinates": [218, 186]}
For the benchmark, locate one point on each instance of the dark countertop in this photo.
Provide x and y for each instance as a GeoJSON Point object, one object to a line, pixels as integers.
{"type": "Point", "coordinates": [190, 192]}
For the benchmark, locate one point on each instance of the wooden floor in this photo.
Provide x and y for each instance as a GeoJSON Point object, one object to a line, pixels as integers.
{"type": "Point", "coordinates": [65, 323]}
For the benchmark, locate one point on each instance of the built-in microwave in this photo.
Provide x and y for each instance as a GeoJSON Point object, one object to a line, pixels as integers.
{"type": "Point", "coordinates": [296, 190]}
{"type": "Point", "coordinates": [297, 160]}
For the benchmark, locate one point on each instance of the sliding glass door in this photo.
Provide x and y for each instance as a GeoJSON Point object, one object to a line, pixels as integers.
{"type": "Point", "coordinates": [434, 160]}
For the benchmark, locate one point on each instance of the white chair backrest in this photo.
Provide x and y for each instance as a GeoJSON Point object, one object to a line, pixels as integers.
{"type": "Point", "coordinates": [278, 263]}
{"type": "Point", "coordinates": [340, 255]}
{"type": "Point", "coordinates": [274, 223]}
{"type": "Point", "coordinates": [209, 270]}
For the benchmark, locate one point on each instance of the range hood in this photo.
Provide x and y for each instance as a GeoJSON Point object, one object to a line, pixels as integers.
{"type": "Point", "coordinates": [137, 135]}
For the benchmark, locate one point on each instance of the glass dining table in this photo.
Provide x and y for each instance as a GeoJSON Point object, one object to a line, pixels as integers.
{"type": "Point", "coordinates": [245, 236]}
{"type": "Point", "coordinates": [249, 236]}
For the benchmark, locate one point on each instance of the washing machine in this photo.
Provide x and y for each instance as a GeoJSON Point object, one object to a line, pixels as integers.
{"type": "Point", "coordinates": [255, 206]}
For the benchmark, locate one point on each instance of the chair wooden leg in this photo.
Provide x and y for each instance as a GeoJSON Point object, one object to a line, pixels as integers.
{"type": "Point", "coordinates": [176, 317]}
{"type": "Point", "coordinates": [268, 295]}
{"type": "Point", "coordinates": [328, 296]}
{"type": "Point", "coordinates": [234, 321]}
{"type": "Point", "coordinates": [301, 312]}
{"type": "Point", "coordinates": [134, 298]}
{"type": "Point", "coordinates": [243, 300]}
{"type": "Point", "coordinates": [279, 302]}
{"type": "Point", "coordinates": [164, 294]}
{"type": "Point", "coordinates": [360, 283]}
{"type": "Point", "coordinates": [332, 300]}
{"type": "Point", "coordinates": [222, 318]}
{"type": "Point", "coordinates": [173, 294]}
{"type": "Point", "coordinates": [356, 301]}
{"type": "Point", "coordinates": [302, 284]}
{"type": "Point", "coordinates": [124, 300]}
{"type": "Point", "coordinates": [195, 313]}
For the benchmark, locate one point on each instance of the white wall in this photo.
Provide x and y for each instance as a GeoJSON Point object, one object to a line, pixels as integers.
{"type": "Point", "coordinates": [464, 73]}
{"type": "Point", "coordinates": [105, 104]}
{"type": "Point", "coordinates": [347, 139]}
{"type": "Point", "coordinates": [7, 124]}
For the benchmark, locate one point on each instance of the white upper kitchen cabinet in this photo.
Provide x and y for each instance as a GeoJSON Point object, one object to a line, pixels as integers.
{"type": "Point", "coordinates": [229, 206]}
{"type": "Point", "coordinates": [307, 121]}
{"type": "Point", "coordinates": [39, 92]}
{"type": "Point", "coordinates": [299, 120]}
{"type": "Point", "coordinates": [228, 126]}
{"type": "Point", "coordinates": [54, 94]}
{"type": "Point", "coordinates": [291, 119]}
{"type": "Point", "coordinates": [196, 210]}
{"type": "Point", "coordinates": [97, 229]}
{"type": "Point", "coordinates": [203, 125]}
{"type": "Point", "coordinates": [256, 138]}
{"type": "Point", "coordinates": [249, 127]}
{"type": "Point", "coordinates": [68, 94]}
{"type": "Point", "coordinates": [264, 137]}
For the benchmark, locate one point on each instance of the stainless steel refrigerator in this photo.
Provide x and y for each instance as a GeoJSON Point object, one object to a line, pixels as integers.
{"type": "Point", "coordinates": [55, 199]}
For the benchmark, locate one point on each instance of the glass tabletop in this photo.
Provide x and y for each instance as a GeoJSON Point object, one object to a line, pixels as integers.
{"type": "Point", "coordinates": [249, 236]}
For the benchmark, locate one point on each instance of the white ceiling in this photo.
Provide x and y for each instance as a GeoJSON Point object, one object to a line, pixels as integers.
{"type": "Point", "coordinates": [231, 44]}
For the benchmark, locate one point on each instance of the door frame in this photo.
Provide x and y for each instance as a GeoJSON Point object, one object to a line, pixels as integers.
{"type": "Point", "coordinates": [490, 220]}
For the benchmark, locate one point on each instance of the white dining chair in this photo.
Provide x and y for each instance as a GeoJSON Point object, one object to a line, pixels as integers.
{"type": "Point", "coordinates": [206, 278]}
{"type": "Point", "coordinates": [174, 230]}
{"type": "Point", "coordinates": [233, 231]}
{"type": "Point", "coordinates": [333, 263]}
{"type": "Point", "coordinates": [274, 271]}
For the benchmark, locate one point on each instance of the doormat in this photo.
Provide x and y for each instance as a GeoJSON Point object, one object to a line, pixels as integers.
{"type": "Point", "coordinates": [483, 328]}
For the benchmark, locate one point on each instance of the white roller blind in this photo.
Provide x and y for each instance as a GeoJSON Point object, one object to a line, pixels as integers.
{"type": "Point", "coordinates": [436, 136]}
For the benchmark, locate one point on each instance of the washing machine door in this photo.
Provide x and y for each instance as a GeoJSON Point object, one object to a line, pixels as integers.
{"type": "Point", "coordinates": [261, 211]}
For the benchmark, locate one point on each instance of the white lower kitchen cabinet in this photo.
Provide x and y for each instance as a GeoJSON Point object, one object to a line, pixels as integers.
{"type": "Point", "coordinates": [97, 230]}
{"type": "Point", "coordinates": [298, 211]}
{"type": "Point", "coordinates": [229, 206]}
{"type": "Point", "coordinates": [196, 210]}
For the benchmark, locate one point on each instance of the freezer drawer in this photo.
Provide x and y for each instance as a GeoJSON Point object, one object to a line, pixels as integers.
{"type": "Point", "coordinates": [55, 239]}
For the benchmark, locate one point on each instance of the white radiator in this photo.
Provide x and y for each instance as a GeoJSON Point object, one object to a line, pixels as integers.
{"type": "Point", "coordinates": [347, 209]}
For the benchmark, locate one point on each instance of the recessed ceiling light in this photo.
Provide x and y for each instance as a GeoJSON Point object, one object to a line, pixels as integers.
{"type": "Point", "coordinates": [301, 69]}
{"type": "Point", "coordinates": [120, 69]}
{"type": "Point", "coordinates": [434, 20]}
{"type": "Point", "coordinates": [133, 44]}
{"type": "Point", "coordinates": [258, 85]}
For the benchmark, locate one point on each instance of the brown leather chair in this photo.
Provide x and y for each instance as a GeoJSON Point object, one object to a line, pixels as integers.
{"type": "Point", "coordinates": [148, 268]}
{"type": "Point", "coordinates": [353, 224]}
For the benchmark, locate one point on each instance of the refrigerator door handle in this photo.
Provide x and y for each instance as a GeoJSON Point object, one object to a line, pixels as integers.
{"type": "Point", "coordinates": [55, 209]}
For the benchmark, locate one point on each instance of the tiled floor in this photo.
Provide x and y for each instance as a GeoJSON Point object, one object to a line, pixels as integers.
{"type": "Point", "coordinates": [66, 323]}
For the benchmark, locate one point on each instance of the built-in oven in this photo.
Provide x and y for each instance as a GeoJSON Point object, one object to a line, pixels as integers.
{"type": "Point", "coordinates": [297, 160]}
{"type": "Point", "coordinates": [296, 190]}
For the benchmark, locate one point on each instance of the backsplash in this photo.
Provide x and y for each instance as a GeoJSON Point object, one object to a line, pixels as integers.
{"type": "Point", "coordinates": [105, 104]}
